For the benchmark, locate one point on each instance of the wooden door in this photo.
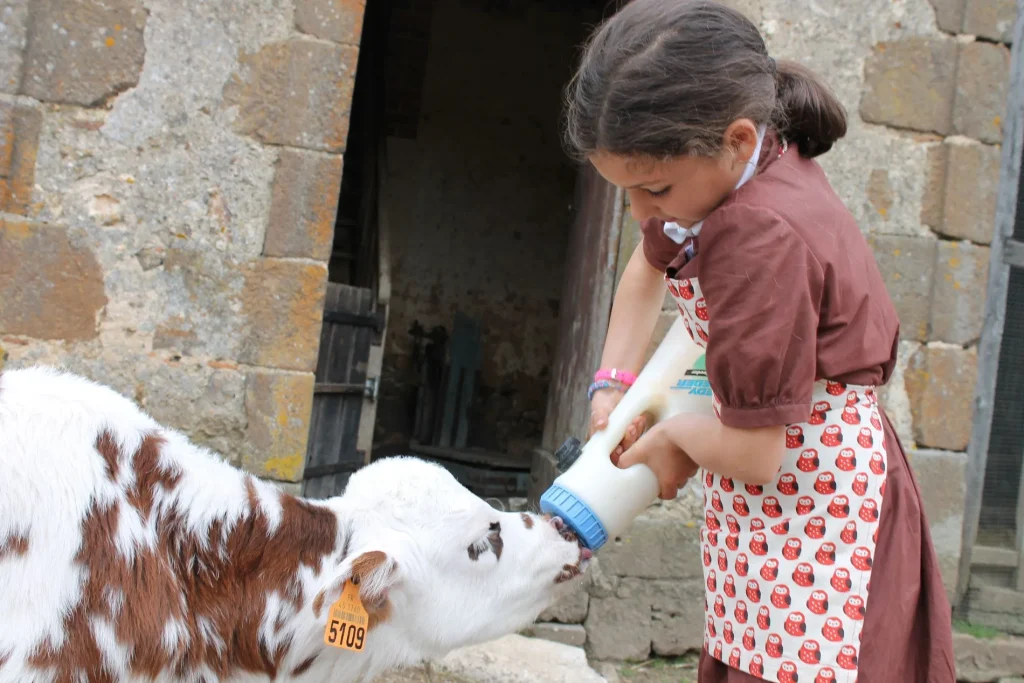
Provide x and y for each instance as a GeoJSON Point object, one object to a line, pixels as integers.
{"type": "Point", "coordinates": [583, 320]}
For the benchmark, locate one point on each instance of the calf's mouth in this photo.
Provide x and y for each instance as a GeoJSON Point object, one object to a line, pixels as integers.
{"type": "Point", "coordinates": [571, 571]}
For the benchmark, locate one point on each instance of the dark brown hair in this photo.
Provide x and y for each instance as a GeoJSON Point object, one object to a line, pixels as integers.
{"type": "Point", "coordinates": [665, 78]}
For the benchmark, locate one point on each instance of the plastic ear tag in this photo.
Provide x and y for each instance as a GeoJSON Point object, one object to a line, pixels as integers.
{"type": "Point", "coordinates": [347, 621]}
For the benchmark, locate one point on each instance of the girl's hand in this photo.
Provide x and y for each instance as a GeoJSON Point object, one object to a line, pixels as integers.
{"type": "Point", "coordinates": [601, 406]}
{"type": "Point", "coordinates": [670, 464]}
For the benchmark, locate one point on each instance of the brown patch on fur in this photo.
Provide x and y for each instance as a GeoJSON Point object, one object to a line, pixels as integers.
{"type": "Point", "coordinates": [13, 545]}
{"type": "Point", "coordinates": [304, 666]}
{"type": "Point", "coordinates": [107, 447]}
{"type": "Point", "coordinates": [221, 579]}
{"type": "Point", "coordinates": [527, 521]}
{"type": "Point", "coordinates": [318, 603]}
{"type": "Point", "coordinates": [376, 604]}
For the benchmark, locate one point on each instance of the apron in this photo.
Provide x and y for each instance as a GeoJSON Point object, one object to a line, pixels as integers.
{"type": "Point", "coordinates": [787, 566]}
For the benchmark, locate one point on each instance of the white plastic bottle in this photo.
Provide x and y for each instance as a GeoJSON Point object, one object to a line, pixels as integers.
{"type": "Point", "coordinates": [594, 497]}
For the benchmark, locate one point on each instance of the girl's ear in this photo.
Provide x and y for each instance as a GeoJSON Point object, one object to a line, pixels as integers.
{"type": "Point", "coordinates": [740, 141]}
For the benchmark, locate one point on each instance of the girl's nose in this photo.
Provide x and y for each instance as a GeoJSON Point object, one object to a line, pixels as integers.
{"type": "Point", "coordinates": [640, 207]}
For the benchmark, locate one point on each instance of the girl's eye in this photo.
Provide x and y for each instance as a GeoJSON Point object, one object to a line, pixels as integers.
{"type": "Point", "coordinates": [659, 193]}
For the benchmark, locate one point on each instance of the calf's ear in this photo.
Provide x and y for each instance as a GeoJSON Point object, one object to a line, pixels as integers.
{"type": "Point", "coordinates": [374, 573]}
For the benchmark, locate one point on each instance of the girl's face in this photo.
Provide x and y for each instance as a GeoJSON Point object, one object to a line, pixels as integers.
{"type": "Point", "coordinates": [681, 190]}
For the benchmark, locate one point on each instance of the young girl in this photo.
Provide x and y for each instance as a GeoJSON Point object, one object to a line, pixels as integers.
{"type": "Point", "coordinates": [818, 561]}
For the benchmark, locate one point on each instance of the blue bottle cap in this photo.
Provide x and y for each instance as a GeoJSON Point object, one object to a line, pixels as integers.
{"type": "Point", "coordinates": [574, 512]}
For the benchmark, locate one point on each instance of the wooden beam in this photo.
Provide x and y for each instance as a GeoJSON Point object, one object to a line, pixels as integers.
{"type": "Point", "coordinates": [995, 310]}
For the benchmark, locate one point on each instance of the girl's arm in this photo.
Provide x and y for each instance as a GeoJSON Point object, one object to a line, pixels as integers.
{"type": "Point", "coordinates": [752, 456]}
{"type": "Point", "coordinates": [635, 310]}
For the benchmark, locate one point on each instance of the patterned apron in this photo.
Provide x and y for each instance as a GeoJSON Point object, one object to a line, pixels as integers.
{"type": "Point", "coordinates": [787, 566]}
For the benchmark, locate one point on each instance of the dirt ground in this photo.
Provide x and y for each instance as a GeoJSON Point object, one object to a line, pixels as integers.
{"type": "Point", "coordinates": [681, 670]}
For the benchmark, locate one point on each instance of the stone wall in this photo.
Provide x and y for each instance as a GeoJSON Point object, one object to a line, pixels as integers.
{"type": "Point", "coordinates": [925, 88]}
{"type": "Point", "coordinates": [168, 180]}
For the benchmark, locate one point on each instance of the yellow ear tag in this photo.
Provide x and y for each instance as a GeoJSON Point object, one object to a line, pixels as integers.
{"type": "Point", "coordinates": [347, 621]}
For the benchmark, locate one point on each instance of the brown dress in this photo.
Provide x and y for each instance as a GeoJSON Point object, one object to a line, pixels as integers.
{"type": "Point", "coordinates": [782, 290]}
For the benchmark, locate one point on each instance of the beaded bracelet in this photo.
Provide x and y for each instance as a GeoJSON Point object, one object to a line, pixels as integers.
{"type": "Point", "coordinates": [622, 376]}
{"type": "Point", "coordinates": [603, 384]}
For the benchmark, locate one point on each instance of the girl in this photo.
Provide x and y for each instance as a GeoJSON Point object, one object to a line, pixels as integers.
{"type": "Point", "coordinates": [811, 508]}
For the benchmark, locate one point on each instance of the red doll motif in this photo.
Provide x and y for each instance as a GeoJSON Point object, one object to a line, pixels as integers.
{"type": "Point", "coordinates": [826, 554]}
{"type": "Point", "coordinates": [780, 598]}
{"type": "Point", "coordinates": [770, 570]}
{"type": "Point", "coordinates": [796, 625]}
{"type": "Point", "coordinates": [815, 528]}
{"type": "Point", "coordinates": [833, 630]}
{"type": "Point", "coordinates": [841, 580]}
{"type": "Point", "coordinates": [825, 484]}
{"type": "Point", "coordinates": [808, 461]}
{"type": "Point", "coordinates": [832, 436]}
{"type": "Point", "coordinates": [748, 639]}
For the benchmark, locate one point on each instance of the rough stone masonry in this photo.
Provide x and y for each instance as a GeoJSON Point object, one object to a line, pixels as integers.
{"type": "Point", "coordinates": [924, 84]}
{"type": "Point", "coordinates": [169, 176]}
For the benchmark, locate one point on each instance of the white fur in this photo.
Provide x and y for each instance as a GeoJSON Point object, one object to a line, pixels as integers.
{"type": "Point", "coordinates": [51, 476]}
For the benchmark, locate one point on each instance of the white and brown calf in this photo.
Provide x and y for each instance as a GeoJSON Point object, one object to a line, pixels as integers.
{"type": "Point", "coordinates": [129, 554]}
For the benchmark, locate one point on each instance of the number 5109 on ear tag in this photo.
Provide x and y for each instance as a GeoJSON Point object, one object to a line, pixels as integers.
{"type": "Point", "coordinates": [347, 621]}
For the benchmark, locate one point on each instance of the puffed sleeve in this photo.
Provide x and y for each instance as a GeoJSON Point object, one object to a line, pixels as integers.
{"type": "Point", "coordinates": [659, 248]}
{"type": "Point", "coordinates": [763, 289]}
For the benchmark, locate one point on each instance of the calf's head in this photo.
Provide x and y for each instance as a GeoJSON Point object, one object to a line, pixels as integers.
{"type": "Point", "coordinates": [438, 568]}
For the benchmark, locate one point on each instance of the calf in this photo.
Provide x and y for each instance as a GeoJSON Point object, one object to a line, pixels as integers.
{"type": "Point", "coordinates": [129, 554]}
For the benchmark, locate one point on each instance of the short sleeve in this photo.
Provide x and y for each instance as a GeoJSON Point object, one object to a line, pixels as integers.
{"type": "Point", "coordinates": [763, 288]}
{"type": "Point", "coordinates": [659, 248]}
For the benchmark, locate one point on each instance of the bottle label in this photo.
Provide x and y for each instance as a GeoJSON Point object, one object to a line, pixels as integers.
{"type": "Point", "coordinates": [695, 380]}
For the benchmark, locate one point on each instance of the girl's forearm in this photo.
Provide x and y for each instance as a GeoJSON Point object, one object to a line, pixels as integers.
{"type": "Point", "coordinates": [752, 456]}
{"type": "Point", "coordinates": [635, 310]}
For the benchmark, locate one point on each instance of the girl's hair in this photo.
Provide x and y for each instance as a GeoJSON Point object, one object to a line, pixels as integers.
{"type": "Point", "coordinates": [665, 78]}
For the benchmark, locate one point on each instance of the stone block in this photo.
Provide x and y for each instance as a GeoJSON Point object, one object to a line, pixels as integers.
{"type": "Point", "coordinates": [933, 198]}
{"type": "Point", "coordinates": [278, 406]}
{"type": "Point", "coordinates": [296, 93]}
{"type": "Point", "coordinates": [619, 627]}
{"type": "Point", "coordinates": [949, 14]}
{"type": "Point", "coordinates": [283, 302]}
{"type": "Point", "coordinates": [981, 660]}
{"type": "Point", "coordinates": [13, 32]}
{"type": "Point", "coordinates": [677, 617]}
{"type": "Point", "coordinates": [654, 548]}
{"type": "Point", "coordinates": [907, 265]}
{"type": "Point", "coordinates": [50, 288]}
{"type": "Point", "coordinates": [958, 297]}
{"type": "Point", "coordinates": [972, 185]}
{"type": "Point", "coordinates": [340, 21]}
{"type": "Point", "coordinates": [909, 83]}
{"type": "Point", "coordinates": [83, 51]}
{"type": "Point", "coordinates": [303, 205]}
{"type": "Point", "coordinates": [990, 19]}
{"type": "Point", "coordinates": [879, 191]}
{"type": "Point", "coordinates": [982, 77]}
{"type": "Point", "coordinates": [567, 634]}
{"type": "Point", "coordinates": [940, 476]}
{"type": "Point", "coordinates": [569, 610]}
{"type": "Point", "coordinates": [940, 381]}
{"type": "Point", "coordinates": [19, 145]}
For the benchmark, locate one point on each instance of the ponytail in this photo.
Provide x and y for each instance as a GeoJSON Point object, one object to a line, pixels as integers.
{"type": "Point", "coordinates": [807, 111]}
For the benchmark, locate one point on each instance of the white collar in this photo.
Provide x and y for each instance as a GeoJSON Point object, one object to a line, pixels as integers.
{"type": "Point", "coordinates": [678, 234]}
